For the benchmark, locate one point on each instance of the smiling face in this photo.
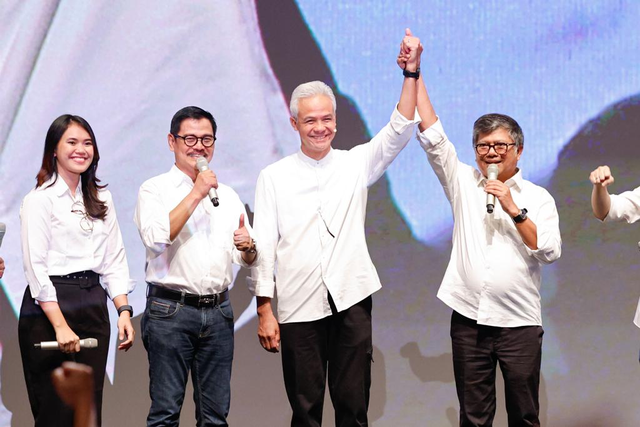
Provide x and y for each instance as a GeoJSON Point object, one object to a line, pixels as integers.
{"type": "Point", "coordinates": [507, 163]}
{"type": "Point", "coordinates": [74, 153]}
{"type": "Point", "coordinates": [186, 156]}
{"type": "Point", "coordinates": [316, 124]}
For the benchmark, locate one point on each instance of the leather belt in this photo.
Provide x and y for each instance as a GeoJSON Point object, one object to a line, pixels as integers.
{"type": "Point", "coordinates": [85, 279]}
{"type": "Point", "coordinates": [194, 300]}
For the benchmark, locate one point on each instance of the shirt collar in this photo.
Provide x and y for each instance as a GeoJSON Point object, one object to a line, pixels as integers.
{"type": "Point", "coordinates": [178, 177]}
{"type": "Point", "coordinates": [515, 181]}
{"type": "Point", "coordinates": [59, 186]}
{"type": "Point", "coordinates": [313, 162]}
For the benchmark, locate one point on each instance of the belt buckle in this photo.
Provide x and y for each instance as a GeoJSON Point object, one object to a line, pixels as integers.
{"type": "Point", "coordinates": [205, 301]}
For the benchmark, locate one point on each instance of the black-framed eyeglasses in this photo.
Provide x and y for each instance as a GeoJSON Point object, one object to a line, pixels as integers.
{"type": "Point", "coordinates": [499, 147]}
{"type": "Point", "coordinates": [191, 140]}
{"type": "Point", "coordinates": [86, 223]}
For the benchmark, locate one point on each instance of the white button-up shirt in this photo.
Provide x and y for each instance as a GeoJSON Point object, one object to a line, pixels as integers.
{"type": "Point", "coordinates": [492, 277]}
{"type": "Point", "coordinates": [309, 223]}
{"type": "Point", "coordinates": [199, 259]}
{"type": "Point", "coordinates": [626, 206]}
{"type": "Point", "coordinates": [57, 241]}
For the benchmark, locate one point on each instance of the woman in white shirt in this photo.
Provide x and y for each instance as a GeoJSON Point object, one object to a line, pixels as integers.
{"type": "Point", "coordinates": [71, 242]}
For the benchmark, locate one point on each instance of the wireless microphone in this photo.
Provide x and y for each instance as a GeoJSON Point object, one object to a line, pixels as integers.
{"type": "Point", "coordinates": [53, 345]}
{"type": "Point", "coordinates": [202, 165]}
{"type": "Point", "coordinates": [492, 173]}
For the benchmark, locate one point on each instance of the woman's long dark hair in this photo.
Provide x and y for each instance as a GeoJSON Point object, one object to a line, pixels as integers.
{"type": "Point", "coordinates": [96, 208]}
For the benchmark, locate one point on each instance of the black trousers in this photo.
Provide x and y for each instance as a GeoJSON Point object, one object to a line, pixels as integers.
{"type": "Point", "coordinates": [476, 350]}
{"type": "Point", "coordinates": [85, 310]}
{"type": "Point", "coordinates": [340, 345]}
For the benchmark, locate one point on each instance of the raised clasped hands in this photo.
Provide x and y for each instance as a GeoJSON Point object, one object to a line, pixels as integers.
{"type": "Point", "coordinates": [410, 51]}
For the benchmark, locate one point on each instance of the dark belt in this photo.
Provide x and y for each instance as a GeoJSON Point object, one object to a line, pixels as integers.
{"type": "Point", "coordinates": [84, 279]}
{"type": "Point", "coordinates": [194, 300]}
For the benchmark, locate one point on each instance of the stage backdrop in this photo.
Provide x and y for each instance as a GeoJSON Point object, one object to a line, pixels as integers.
{"type": "Point", "coordinates": [567, 71]}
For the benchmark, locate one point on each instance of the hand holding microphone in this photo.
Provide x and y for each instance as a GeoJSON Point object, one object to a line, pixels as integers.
{"type": "Point", "coordinates": [203, 165]}
{"type": "Point", "coordinates": [492, 174]}
{"type": "Point", "coordinates": [54, 345]}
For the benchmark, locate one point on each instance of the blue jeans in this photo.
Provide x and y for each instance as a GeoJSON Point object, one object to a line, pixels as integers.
{"type": "Point", "coordinates": [179, 338]}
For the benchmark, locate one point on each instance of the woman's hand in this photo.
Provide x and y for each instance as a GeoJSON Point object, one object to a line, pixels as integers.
{"type": "Point", "coordinates": [68, 341]}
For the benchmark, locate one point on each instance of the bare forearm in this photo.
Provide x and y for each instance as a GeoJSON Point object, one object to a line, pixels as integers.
{"type": "Point", "coordinates": [248, 257]}
{"type": "Point", "coordinates": [54, 314]}
{"type": "Point", "coordinates": [529, 233]}
{"type": "Point", "coordinates": [264, 306]}
{"type": "Point", "coordinates": [600, 202]}
{"type": "Point", "coordinates": [85, 415]}
{"type": "Point", "coordinates": [408, 97]}
{"type": "Point", "coordinates": [425, 108]}
{"type": "Point", "coordinates": [179, 216]}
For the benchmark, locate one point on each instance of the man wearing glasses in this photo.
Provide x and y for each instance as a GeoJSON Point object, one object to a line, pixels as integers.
{"type": "Point", "coordinates": [493, 279]}
{"type": "Point", "coordinates": [190, 244]}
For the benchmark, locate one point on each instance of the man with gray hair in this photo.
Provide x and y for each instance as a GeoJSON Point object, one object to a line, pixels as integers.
{"type": "Point", "coordinates": [309, 223]}
{"type": "Point", "coordinates": [493, 279]}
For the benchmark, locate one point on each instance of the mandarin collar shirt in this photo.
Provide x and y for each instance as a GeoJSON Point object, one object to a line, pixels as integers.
{"type": "Point", "coordinates": [492, 276]}
{"type": "Point", "coordinates": [626, 207]}
{"type": "Point", "coordinates": [58, 239]}
{"type": "Point", "coordinates": [199, 260]}
{"type": "Point", "coordinates": [309, 223]}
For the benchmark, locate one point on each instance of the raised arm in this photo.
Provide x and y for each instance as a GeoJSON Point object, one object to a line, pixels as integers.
{"type": "Point", "coordinates": [601, 178]}
{"type": "Point", "coordinates": [409, 60]}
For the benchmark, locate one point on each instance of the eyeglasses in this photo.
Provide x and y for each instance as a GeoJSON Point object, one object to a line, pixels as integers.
{"type": "Point", "coordinates": [499, 147]}
{"type": "Point", "coordinates": [191, 140]}
{"type": "Point", "coordinates": [86, 223]}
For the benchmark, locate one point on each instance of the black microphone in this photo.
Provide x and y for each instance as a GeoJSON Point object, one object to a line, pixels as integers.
{"type": "Point", "coordinates": [203, 165]}
{"type": "Point", "coordinates": [3, 229]}
{"type": "Point", "coordinates": [492, 173]}
{"type": "Point", "coordinates": [53, 345]}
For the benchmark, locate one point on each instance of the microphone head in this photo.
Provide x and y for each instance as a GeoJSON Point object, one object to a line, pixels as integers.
{"type": "Point", "coordinates": [90, 343]}
{"type": "Point", "coordinates": [492, 171]}
{"type": "Point", "coordinates": [3, 229]}
{"type": "Point", "coordinates": [202, 164]}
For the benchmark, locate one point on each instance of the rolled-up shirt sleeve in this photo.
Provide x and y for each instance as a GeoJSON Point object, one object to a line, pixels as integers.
{"type": "Point", "coordinates": [114, 269]}
{"type": "Point", "coordinates": [35, 233]}
{"type": "Point", "coordinates": [548, 231]}
{"type": "Point", "coordinates": [152, 220]}
{"type": "Point", "coordinates": [265, 223]}
{"type": "Point", "coordinates": [625, 206]}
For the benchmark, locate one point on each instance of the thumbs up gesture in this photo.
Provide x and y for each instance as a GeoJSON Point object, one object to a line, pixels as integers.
{"type": "Point", "coordinates": [241, 238]}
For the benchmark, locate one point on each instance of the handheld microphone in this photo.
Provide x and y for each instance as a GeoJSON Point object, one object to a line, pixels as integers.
{"type": "Point", "coordinates": [202, 165]}
{"type": "Point", "coordinates": [3, 229]}
{"type": "Point", "coordinates": [53, 345]}
{"type": "Point", "coordinates": [492, 173]}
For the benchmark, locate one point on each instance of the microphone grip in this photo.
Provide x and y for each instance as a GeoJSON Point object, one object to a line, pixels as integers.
{"type": "Point", "coordinates": [492, 173]}
{"type": "Point", "coordinates": [213, 195]}
{"type": "Point", "coordinates": [53, 345]}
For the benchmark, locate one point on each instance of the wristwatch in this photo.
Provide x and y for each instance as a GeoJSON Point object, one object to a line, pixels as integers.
{"type": "Point", "coordinates": [125, 308]}
{"type": "Point", "coordinates": [520, 217]}
{"type": "Point", "coordinates": [412, 74]}
{"type": "Point", "coordinates": [252, 249]}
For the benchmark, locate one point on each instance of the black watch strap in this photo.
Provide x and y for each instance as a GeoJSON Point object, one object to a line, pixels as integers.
{"type": "Point", "coordinates": [412, 74]}
{"type": "Point", "coordinates": [252, 249]}
{"type": "Point", "coordinates": [125, 308]}
{"type": "Point", "coordinates": [520, 217]}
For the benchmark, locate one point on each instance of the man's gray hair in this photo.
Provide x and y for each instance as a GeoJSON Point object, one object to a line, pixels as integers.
{"type": "Point", "coordinates": [491, 122]}
{"type": "Point", "coordinates": [307, 90]}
